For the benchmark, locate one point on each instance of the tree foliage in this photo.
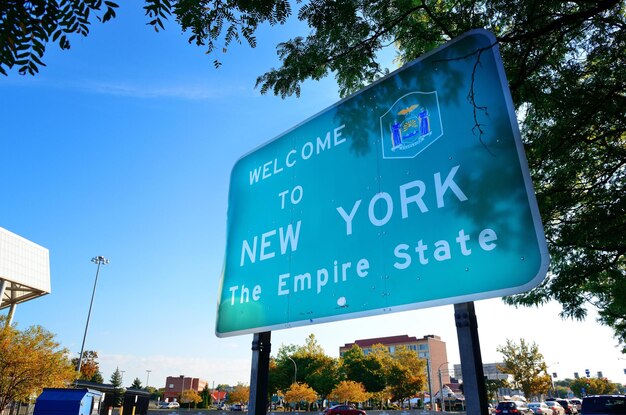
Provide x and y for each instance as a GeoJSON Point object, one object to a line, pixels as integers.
{"type": "Point", "coordinates": [365, 369]}
{"type": "Point", "coordinates": [593, 386]}
{"type": "Point", "coordinates": [205, 395]}
{"type": "Point", "coordinates": [492, 386]}
{"type": "Point", "coordinates": [406, 374]}
{"type": "Point", "coordinates": [136, 384]}
{"type": "Point", "coordinates": [90, 368]}
{"type": "Point", "coordinates": [527, 366]}
{"type": "Point", "coordinates": [29, 361]}
{"type": "Point", "coordinates": [350, 391]}
{"type": "Point", "coordinates": [314, 368]}
{"type": "Point", "coordinates": [116, 382]}
{"type": "Point", "coordinates": [300, 392]}
{"type": "Point", "coordinates": [240, 394]}
{"type": "Point", "coordinates": [566, 65]}
{"type": "Point", "coordinates": [190, 396]}
{"type": "Point", "coordinates": [27, 26]}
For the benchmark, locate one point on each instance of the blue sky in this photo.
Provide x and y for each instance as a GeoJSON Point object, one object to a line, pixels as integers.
{"type": "Point", "coordinates": [123, 147]}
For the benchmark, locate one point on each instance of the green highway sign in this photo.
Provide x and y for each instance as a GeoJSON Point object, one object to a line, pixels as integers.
{"type": "Point", "coordinates": [412, 193]}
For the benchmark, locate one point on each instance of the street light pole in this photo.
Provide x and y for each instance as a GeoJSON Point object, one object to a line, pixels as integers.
{"type": "Point", "coordinates": [430, 385]}
{"type": "Point", "coordinates": [295, 372]}
{"type": "Point", "coordinates": [99, 260]}
{"type": "Point", "coordinates": [147, 377]}
{"type": "Point", "coordinates": [551, 377]}
{"type": "Point", "coordinates": [443, 405]}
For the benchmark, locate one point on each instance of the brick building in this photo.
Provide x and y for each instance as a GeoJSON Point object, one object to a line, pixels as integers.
{"type": "Point", "coordinates": [174, 386]}
{"type": "Point", "coordinates": [429, 347]}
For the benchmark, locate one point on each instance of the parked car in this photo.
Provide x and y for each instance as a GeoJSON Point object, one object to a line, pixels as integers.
{"type": "Point", "coordinates": [236, 407]}
{"type": "Point", "coordinates": [169, 405]}
{"type": "Point", "coordinates": [604, 405]}
{"type": "Point", "coordinates": [556, 407]}
{"type": "Point", "coordinates": [540, 408]}
{"type": "Point", "coordinates": [577, 402]}
{"type": "Point", "coordinates": [343, 410]}
{"type": "Point", "coordinates": [513, 407]}
{"type": "Point", "coordinates": [570, 408]}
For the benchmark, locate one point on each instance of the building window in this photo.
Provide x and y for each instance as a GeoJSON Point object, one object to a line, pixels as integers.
{"type": "Point", "coordinates": [423, 347]}
{"type": "Point", "coordinates": [171, 386]}
{"type": "Point", "coordinates": [392, 349]}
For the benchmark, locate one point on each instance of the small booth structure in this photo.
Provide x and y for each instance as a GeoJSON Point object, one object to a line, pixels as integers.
{"type": "Point", "coordinates": [58, 401]}
{"type": "Point", "coordinates": [135, 402]}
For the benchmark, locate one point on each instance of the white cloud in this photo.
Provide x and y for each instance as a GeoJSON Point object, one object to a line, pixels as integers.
{"type": "Point", "coordinates": [196, 91]}
{"type": "Point", "coordinates": [142, 89]}
{"type": "Point", "coordinates": [212, 369]}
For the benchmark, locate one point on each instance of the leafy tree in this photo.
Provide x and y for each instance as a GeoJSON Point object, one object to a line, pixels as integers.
{"type": "Point", "coordinates": [325, 376]}
{"type": "Point", "coordinates": [382, 397]}
{"type": "Point", "coordinates": [136, 384]}
{"type": "Point", "coordinates": [561, 391]}
{"type": "Point", "coordinates": [282, 370]}
{"type": "Point", "coordinates": [406, 374]}
{"type": "Point", "coordinates": [190, 396]}
{"type": "Point", "coordinates": [350, 391]}
{"type": "Point", "coordinates": [116, 382]}
{"type": "Point", "coordinates": [527, 366]}
{"type": "Point", "coordinates": [240, 394]}
{"type": "Point", "coordinates": [492, 386]}
{"type": "Point", "coordinates": [29, 361]}
{"type": "Point", "coordinates": [300, 392]}
{"type": "Point", "coordinates": [205, 395]}
{"type": "Point", "coordinates": [314, 368]}
{"type": "Point", "coordinates": [90, 368]}
{"type": "Point", "coordinates": [367, 370]}
{"type": "Point", "coordinates": [593, 386]}
{"type": "Point", "coordinates": [155, 394]}
{"type": "Point", "coordinates": [566, 65]}
{"type": "Point", "coordinates": [97, 378]}
{"type": "Point", "coordinates": [26, 27]}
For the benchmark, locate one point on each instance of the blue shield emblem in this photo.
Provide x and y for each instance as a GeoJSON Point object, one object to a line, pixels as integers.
{"type": "Point", "coordinates": [411, 124]}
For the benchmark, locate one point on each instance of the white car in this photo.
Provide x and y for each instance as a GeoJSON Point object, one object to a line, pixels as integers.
{"type": "Point", "coordinates": [556, 407]}
{"type": "Point", "coordinates": [540, 408]}
{"type": "Point", "coordinates": [169, 405]}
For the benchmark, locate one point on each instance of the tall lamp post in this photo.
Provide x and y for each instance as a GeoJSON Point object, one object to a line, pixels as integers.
{"type": "Point", "coordinates": [147, 378]}
{"type": "Point", "coordinates": [99, 260]}
{"type": "Point", "coordinates": [295, 372]}
{"type": "Point", "coordinates": [443, 405]}
{"type": "Point", "coordinates": [430, 385]}
{"type": "Point", "coordinates": [552, 377]}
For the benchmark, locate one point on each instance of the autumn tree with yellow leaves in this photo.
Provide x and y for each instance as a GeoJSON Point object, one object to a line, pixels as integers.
{"type": "Point", "coordinates": [350, 391]}
{"type": "Point", "coordinates": [30, 360]}
{"type": "Point", "coordinates": [240, 394]}
{"type": "Point", "coordinates": [300, 392]}
{"type": "Point", "coordinates": [190, 396]}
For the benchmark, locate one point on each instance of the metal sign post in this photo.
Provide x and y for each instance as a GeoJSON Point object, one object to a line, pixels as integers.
{"type": "Point", "coordinates": [471, 361]}
{"type": "Point", "coordinates": [259, 376]}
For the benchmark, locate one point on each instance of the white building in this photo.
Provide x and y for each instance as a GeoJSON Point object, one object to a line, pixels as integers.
{"type": "Point", "coordinates": [24, 271]}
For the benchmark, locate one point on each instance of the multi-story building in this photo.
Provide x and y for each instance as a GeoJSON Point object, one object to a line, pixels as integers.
{"type": "Point", "coordinates": [490, 370]}
{"type": "Point", "coordinates": [429, 347]}
{"type": "Point", "coordinates": [175, 385]}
